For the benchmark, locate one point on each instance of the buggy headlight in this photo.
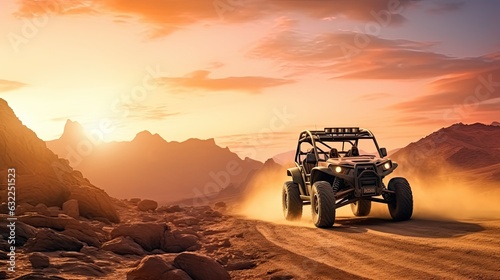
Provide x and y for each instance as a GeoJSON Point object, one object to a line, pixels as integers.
{"type": "Point", "coordinates": [338, 169]}
{"type": "Point", "coordinates": [387, 165]}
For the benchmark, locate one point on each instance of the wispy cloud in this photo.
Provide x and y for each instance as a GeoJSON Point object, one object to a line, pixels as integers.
{"type": "Point", "coordinates": [469, 97]}
{"type": "Point", "coordinates": [353, 55]}
{"type": "Point", "coordinates": [200, 80]}
{"type": "Point", "coordinates": [147, 112]}
{"type": "Point", "coordinates": [445, 6]}
{"type": "Point", "coordinates": [6, 85]}
{"type": "Point", "coordinates": [375, 96]}
{"type": "Point", "coordinates": [463, 90]}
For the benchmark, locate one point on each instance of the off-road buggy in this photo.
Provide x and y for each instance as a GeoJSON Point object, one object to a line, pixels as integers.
{"type": "Point", "coordinates": [340, 166]}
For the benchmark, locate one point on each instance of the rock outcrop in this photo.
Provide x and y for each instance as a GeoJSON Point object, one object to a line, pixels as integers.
{"type": "Point", "coordinates": [42, 177]}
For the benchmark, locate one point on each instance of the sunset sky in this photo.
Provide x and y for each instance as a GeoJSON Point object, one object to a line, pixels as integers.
{"type": "Point", "coordinates": [250, 73]}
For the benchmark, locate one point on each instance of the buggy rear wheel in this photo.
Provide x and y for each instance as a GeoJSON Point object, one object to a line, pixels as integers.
{"type": "Point", "coordinates": [292, 204]}
{"type": "Point", "coordinates": [361, 207]}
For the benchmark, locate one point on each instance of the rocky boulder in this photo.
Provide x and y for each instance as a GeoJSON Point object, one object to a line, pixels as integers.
{"type": "Point", "coordinates": [71, 208]}
{"type": "Point", "coordinates": [84, 234]}
{"type": "Point", "coordinates": [47, 240]}
{"type": "Point", "coordinates": [148, 235]}
{"type": "Point", "coordinates": [134, 201]}
{"type": "Point", "coordinates": [80, 268]}
{"type": "Point", "coordinates": [57, 223]}
{"type": "Point", "coordinates": [23, 231]}
{"type": "Point", "coordinates": [200, 267]}
{"type": "Point", "coordinates": [147, 205]}
{"type": "Point", "coordinates": [151, 268]}
{"type": "Point", "coordinates": [94, 202]}
{"type": "Point", "coordinates": [179, 241]}
{"type": "Point", "coordinates": [67, 226]}
{"type": "Point", "coordinates": [123, 245]}
{"type": "Point", "coordinates": [39, 276]}
{"type": "Point", "coordinates": [39, 260]}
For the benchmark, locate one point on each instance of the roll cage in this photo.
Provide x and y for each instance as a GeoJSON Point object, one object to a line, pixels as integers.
{"type": "Point", "coordinates": [342, 135]}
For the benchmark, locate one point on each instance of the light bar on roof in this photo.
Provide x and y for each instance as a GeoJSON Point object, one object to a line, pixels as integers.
{"type": "Point", "coordinates": [342, 130]}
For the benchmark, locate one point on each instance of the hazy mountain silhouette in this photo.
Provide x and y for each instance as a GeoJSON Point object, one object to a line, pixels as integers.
{"type": "Point", "coordinates": [471, 150]}
{"type": "Point", "coordinates": [40, 176]}
{"type": "Point", "coordinates": [151, 167]}
{"type": "Point", "coordinates": [286, 158]}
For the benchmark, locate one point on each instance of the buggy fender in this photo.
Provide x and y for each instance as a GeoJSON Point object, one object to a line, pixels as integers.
{"type": "Point", "coordinates": [322, 173]}
{"type": "Point", "coordinates": [294, 172]}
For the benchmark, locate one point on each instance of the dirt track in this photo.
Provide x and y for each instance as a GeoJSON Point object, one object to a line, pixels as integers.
{"type": "Point", "coordinates": [378, 248]}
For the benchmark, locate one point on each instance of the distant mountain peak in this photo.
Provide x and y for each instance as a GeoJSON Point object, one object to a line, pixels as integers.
{"type": "Point", "coordinates": [495, 123]}
{"type": "Point", "coordinates": [73, 130]}
{"type": "Point", "coordinates": [146, 135]}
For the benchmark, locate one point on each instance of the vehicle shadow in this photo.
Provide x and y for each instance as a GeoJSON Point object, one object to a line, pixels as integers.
{"type": "Point", "coordinates": [416, 227]}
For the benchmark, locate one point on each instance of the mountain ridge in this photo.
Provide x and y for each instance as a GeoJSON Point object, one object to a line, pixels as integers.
{"type": "Point", "coordinates": [459, 147]}
{"type": "Point", "coordinates": [150, 166]}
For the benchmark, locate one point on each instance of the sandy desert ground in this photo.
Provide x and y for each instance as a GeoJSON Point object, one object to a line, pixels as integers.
{"type": "Point", "coordinates": [376, 248]}
{"type": "Point", "coordinates": [355, 248]}
{"type": "Point", "coordinates": [454, 234]}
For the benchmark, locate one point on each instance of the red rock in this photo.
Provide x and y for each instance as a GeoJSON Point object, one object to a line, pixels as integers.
{"type": "Point", "coordinates": [79, 268]}
{"type": "Point", "coordinates": [134, 201]}
{"type": "Point", "coordinates": [241, 265]}
{"type": "Point", "coordinates": [23, 231]}
{"type": "Point", "coordinates": [176, 241]}
{"type": "Point", "coordinates": [39, 260]}
{"type": "Point", "coordinates": [148, 235]}
{"type": "Point", "coordinates": [123, 245]}
{"type": "Point", "coordinates": [200, 267]}
{"type": "Point", "coordinates": [94, 202]}
{"type": "Point", "coordinates": [151, 268]}
{"type": "Point", "coordinates": [147, 205]}
{"type": "Point", "coordinates": [47, 240]}
{"type": "Point", "coordinates": [177, 274]}
{"type": "Point", "coordinates": [71, 209]}
{"type": "Point", "coordinates": [38, 276]}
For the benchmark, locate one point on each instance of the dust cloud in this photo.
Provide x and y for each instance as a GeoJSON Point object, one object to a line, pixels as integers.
{"type": "Point", "coordinates": [435, 197]}
{"type": "Point", "coordinates": [453, 198]}
{"type": "Point", "coordinates": [263, 197]}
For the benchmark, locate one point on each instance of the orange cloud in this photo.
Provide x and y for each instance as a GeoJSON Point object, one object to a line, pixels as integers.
{"type": "Point", "coordinates": [464, 97]}
{"type": "Point", "coordinates": [466, 90]}
{"type": "Point", "coordinates": [375, 96]}
{"type": "Point", "coordinates": [167, 16]}
{"type": "Point", "coordinates": [6, 85]}
{"type": "Point", "coordinates": [144, 112]}
{"type": "Point", "coordinates": [200, 80]}
{"type": "Point", "coordinates": [36, 8]}
{"type": "Point", "coordinates": [355, 55]}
